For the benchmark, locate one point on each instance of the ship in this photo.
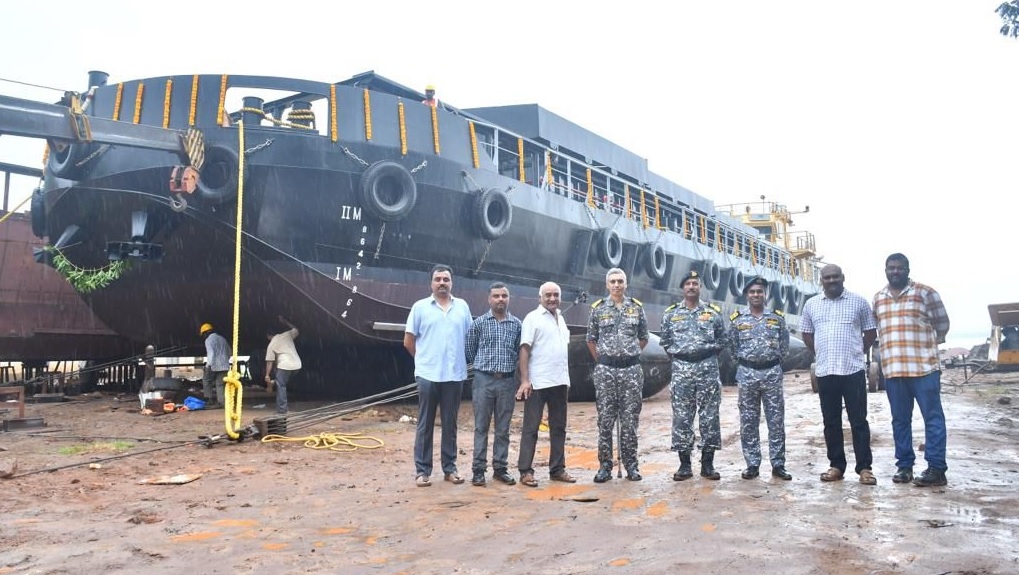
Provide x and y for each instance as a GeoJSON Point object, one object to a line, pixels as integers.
{"type": "Point", "coordinates": [349, 193]}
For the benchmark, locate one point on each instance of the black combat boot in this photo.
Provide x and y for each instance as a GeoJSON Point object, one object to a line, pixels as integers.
{"type": "Point", "coordinates": [685, 470]}
{"type": "Point", "coordinates": [708, 465]}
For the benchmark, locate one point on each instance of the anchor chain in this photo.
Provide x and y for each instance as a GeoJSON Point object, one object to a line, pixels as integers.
{"type": "Point", "coordinates": [268, 142]}
{"type": "Point", "coordinates": [488, 246]}
{"type": "Point", "coordinates": [354, 156]}
{"type": "Point", "coordinates": [420, 166]}
{"type": "Point", "coordinates": [93, 155]}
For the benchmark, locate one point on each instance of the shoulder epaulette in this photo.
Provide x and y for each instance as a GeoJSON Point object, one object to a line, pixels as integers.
{"type": "Point", "coordinates": [734, 315]}
{"type": "Point", "coordinates": [779, 312]}
{"type": "Point", "coordinates": [637, 301]}
{"type": "Point", "coordinates": [715, 307]}
{"type": "Point", "coordinates": [598, 303]}
{"type": "Point", "coordinates": [671, 307]}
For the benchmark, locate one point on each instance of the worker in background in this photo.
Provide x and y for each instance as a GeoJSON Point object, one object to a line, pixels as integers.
{"type": "Point", "coordinates": [282, 354]}
{"type": "Point", "coordinates": [430, 99]}
{"type": "Point", "coordinates": [217, 364]}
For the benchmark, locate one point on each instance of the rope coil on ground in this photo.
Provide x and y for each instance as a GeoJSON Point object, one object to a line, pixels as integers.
{"type": "Point", "coordinates": [342, 442]}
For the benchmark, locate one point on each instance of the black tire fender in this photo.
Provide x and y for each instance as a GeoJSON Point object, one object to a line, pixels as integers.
{"type": "Point", "coordinates": [778, 295]}
{"type": "Point", "coordinates": [218, 181]}
{"type": "Point", "coordinates": [492, 214]}
{"type": "Point", "coordinates": [737, 281]}
{"type": "Point", "coordinates": [610, 248]}
{"type": "Point", "coordinates": [711, 275]}
{"type": "Point", "coordinates": [38, 211]}
{"type": "Point", "coordinates": [64, 158]}
{"type": "Point", "coordinates": [655, 262]}
{"type": "Point", "coordinates": [388, 190]}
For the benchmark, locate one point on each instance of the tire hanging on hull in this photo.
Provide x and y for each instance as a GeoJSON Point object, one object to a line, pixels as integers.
{"type": "Point", "coordinates": [388, 190]}
{"type": "Point", "coordinates": [218, 182]}
{"type": "Point", "coordinates": [66, 160]}
{"type": "Point", "coordinates": [492, 214]}
{"type": "Point", "coordinates": [38, 211]}
{"type": "Point", "coordinates": [737, 281]}
{"type": "Point", "coordinates": [610, 248]}
{"type": "Point", "coordinates": [711, 275]}
{"type": "Point", "coordinates": [655, 262]}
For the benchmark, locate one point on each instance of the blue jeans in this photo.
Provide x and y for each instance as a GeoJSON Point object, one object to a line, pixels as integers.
{"type": "Point", "coordinates": [926, 390]}
{"type": "Point", "coordinates": [283, 376]}
{"type": "Point", "coordinates": [492, 396]}
{"type": "Point", "coordinates": [444, 396]}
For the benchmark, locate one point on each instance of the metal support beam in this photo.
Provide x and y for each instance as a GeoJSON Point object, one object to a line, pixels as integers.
{"type": "Point", "coordinates": [31, 119]}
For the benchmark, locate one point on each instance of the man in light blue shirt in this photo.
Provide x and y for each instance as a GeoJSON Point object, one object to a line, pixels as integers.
{"type": "Point", "coordinates": [435, 336]}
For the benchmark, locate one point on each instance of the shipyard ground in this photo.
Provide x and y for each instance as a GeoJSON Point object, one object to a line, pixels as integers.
{"type": "Point", "coordinates": [283, 508]}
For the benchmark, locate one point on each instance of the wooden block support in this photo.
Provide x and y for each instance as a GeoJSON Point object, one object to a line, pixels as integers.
{"type": "Point", "coordinates": [18, 391]}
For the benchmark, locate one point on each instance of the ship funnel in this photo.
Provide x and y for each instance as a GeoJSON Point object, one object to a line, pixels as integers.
{"type": "Point", "coordinates": [97, 78]}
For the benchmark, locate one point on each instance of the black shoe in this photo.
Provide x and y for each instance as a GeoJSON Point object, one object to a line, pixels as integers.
{"type": "Point", "coordinates": [903, 475]}
{"type": "Point", "coordinates": [478, 479]}
{"type": "Point", "coordinates": [685, 470]}
{"type": "Point", "coordinates": [781, 473]}
{"type": "Point", "coordinates": [633, 474]}
{"type": "Point", "coordinates": [503, 476]}
{"type": "Point", "coordinates": [604, 474]}
{"type": "Point", "coordinates": [931, 478]}
{"type": "Point", "coordinates": [751, 472]}
{"type": "Point", "coordinates": [708, 465]}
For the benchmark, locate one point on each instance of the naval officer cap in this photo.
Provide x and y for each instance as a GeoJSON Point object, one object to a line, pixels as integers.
{"type": "Point", "coordinates": [690, 275]}
{"type": "Point", "coordinates": [755, 281]}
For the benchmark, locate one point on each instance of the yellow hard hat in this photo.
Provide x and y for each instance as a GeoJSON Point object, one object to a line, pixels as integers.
{"type": "Point", "coordinates": [206, 327]}
{"type": "Point", "coordinates": [430, 87]}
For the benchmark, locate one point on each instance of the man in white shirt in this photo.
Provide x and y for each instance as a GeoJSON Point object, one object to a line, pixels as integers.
{"type": "Point", "coordinates": [544, 379]}
{"type": "Point", "coordinates": [283, 354]}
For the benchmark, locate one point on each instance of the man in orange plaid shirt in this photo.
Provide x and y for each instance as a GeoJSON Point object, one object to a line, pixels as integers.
{"type": "Point", "coordinates": [912, 321]}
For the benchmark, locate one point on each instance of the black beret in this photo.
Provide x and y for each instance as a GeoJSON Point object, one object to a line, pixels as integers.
{"type": "Point", "coordinates": [758, 280]}
{"type": "Point", "coordinates": [690, 275]}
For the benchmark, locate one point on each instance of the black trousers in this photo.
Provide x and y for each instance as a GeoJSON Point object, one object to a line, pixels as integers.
{"type": "Point", "coordinates": [556, 399]}
{"type": "Point", "coordinates": [832, 391]}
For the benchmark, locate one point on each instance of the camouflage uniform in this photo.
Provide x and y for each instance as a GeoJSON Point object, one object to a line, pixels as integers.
{"type": "Point", "coordinates": [758, 346]}
{"type": "Point", "coordinates": [617, 329]}
{"type": "Point", "coordinates": [693, 338]}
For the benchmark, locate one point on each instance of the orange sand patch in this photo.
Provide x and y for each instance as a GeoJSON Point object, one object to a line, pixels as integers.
{"type": "Point", "coordinates": [197, 536]}
{"type": "Point", "coordinates": [621, 562]}
{"type": "Point", "coordinates": [556, 491]}
{"type": "Point", "coordinates": [583, 458]}
{"type": "Point", "coordinates": [371, 540]}
{"type": "Point", "coordinates": [658, 509]}
{"type": "Point", "coordinates": [709, 527]}
{"type": "Point", "coordinates": [236, 523]}
{"type": "Point", "coordinates": [337, 530]}
{"type": "Point", "coordinates": [275, 546]}
{"type": "Point", "coordinates": [627, 504]}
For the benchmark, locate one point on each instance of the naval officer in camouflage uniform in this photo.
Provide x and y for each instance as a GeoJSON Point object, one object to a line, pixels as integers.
{"type": "Point", "coordinates": [693, 332]}
{"type": "Point", "coordinates": [616, 333]}
{"type": "Point", "coordinates": [759, 340]}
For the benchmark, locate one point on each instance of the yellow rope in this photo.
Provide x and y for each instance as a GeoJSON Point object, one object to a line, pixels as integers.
{"type": "Point", "coordinates": [333, 131]}
{"type": "Point", "coordinates": [138, 102]}
{"type": "Point", "coordinates": [232, 382]}
{"type": "Point", "coordinates": [8, 214]}
{"type": "Point", "coordinates": [296, 114]}
{"type": "Point", "coordinates": [342, 442]}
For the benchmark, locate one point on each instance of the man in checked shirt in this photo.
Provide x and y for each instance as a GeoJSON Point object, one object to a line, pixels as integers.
{"type": "Point", "coordinates": [838, 327]}
{"type": "Point", "coordinates": [912, 321]}
{"type": "Point", "coordinates": [493, 344]}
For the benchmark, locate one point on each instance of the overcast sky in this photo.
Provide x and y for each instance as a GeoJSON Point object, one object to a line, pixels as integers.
{"type": "Point", "coordinates": [893, 121]}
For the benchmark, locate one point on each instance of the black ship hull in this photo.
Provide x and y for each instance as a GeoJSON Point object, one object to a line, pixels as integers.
{"type": "Point", "coordinates": [340, 229]}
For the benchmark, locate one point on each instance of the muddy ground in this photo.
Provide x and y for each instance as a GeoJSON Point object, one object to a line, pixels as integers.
{"type": "Point", "coordinates": [284, 508]}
